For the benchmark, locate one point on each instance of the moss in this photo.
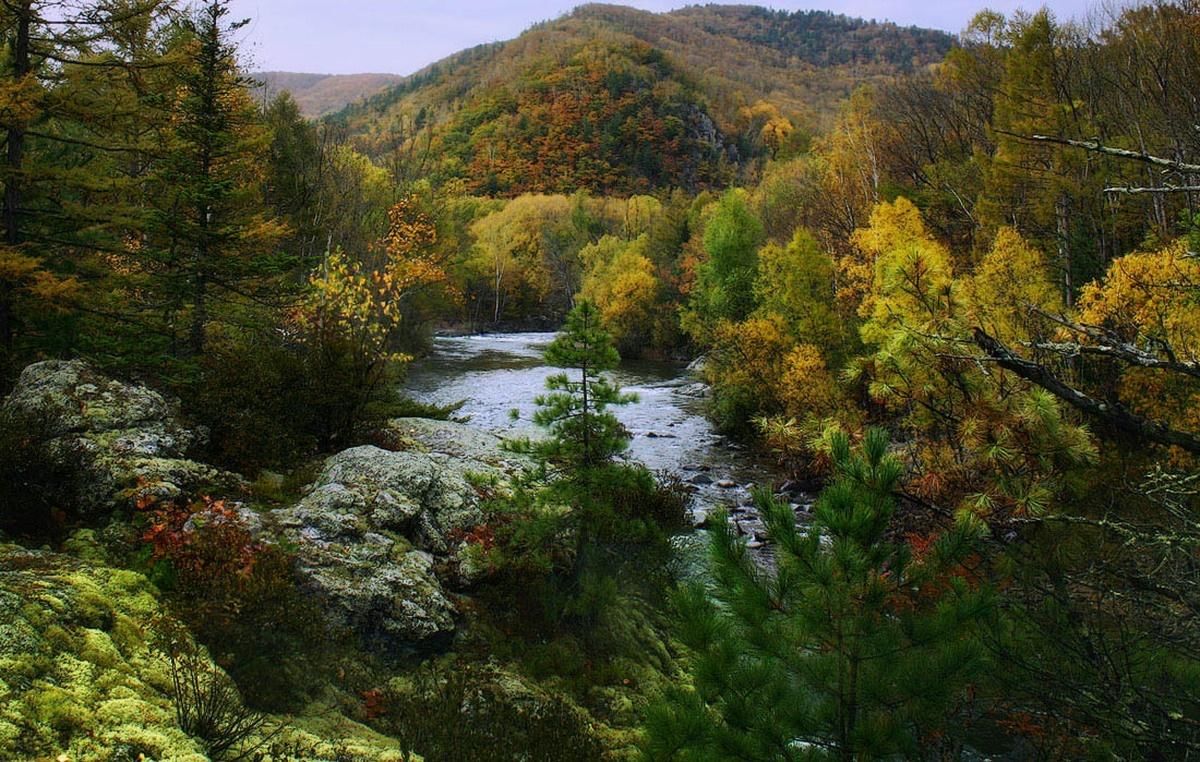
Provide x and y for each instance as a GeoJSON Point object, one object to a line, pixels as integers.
{"type": "Point", "coordinates": [98, 648]}
{"type": "Point", "coordinates": [84, 544]}
{"type": "Point", "coordinates": [321, 734]}
{"type": "Point", "coordinates": [58, 639]}
{"type": "Point", "coordinates": [80, 680]}
{"type": "Point", "coordinates": [127, 636]}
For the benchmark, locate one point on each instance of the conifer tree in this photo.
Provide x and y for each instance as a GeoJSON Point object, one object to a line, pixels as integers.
{"type": "Point", "coordinates": [583, 433]}
{"type": "Point", "coordinates": [69, 97]}
{"type": "Point", "coordinates": [854, 647]}
{"type": "Point", "coordinates": [217, 239]}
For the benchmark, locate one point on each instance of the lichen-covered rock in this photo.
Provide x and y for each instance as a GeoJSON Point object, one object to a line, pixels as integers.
{"type": "Point", "coordinates": [425, 496]}
{"type": "Point", "coordinates": [123, 441]}
{"type": "Point", "coordinates": [481, 449]}
{"type": "Point", "coordinates": [365, 534]}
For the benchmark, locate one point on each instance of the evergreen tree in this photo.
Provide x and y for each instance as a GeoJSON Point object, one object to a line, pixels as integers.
{"type": "Point", "coordinates": [583, 434]}
{"type": "Point", "coordinates": [73, 92]}
{"type": "Point", "coordinates": [854, 647]}
{"type": "Point", "coordinates": [217, 239]}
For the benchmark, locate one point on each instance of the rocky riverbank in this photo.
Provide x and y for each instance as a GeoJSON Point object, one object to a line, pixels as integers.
{"type": "Point", "coordinates": [376, 537]}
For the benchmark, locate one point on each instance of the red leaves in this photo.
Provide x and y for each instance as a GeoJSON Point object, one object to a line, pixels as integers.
{"type": "Point", "coordinates": [374, 703]}
{"type": "Point", "coordinates": [482, 535]}
{"type": "Point", "coordinates": [206, 537]}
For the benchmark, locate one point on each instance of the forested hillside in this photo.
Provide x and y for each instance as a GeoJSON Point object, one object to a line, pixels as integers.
{"type": "Point", "coordinates": [612, 99]}
{"type": "Point", "coordinates": [946, 299]}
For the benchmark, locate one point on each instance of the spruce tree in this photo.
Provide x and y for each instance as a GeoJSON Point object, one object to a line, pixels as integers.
{"type": "Point", "coordinates": [851, 648]}
{"type": "Point", "coordinates": [216, 238]}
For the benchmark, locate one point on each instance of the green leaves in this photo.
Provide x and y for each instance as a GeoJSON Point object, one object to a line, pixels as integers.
{"type": "Point", "coordinates": [849, 648]}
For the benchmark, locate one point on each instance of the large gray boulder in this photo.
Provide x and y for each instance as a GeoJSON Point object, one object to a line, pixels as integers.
{"type": "Point", "coordinates": [373, 529]}
{"type": "Point", "coordinates": [124, 441]}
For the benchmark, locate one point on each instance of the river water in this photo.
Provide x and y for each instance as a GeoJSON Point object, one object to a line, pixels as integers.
{"type": "Point", "coordinates": [497, 373]}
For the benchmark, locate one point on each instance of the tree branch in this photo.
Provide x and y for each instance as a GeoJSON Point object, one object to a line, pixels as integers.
{"type": "Point", "coordinates": [1097, 147]}
{"type": "Point", "coordinates": [1112, 413]}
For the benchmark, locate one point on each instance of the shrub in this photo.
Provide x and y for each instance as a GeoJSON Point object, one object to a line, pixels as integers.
{"type": "Point", "coordinates": [268, 401]}
{"type": "Point", "coordinates": [33, 480]}
{"type": "Point", "coordinates": [460, 713]}
{"type": "Point", "coordinates": [208, 706]}
{"type": "Point", "coordinates": [240, 597]}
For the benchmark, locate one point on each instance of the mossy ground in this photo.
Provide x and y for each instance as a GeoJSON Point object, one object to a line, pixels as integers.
{"type": "Point", "coordinates": [79, 679]}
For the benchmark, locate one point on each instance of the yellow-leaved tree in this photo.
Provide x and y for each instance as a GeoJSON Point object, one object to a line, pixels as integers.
{"type": "Point", "coordinates": [620, 280]}
{"type": "Point", "coordinates": [353, 315]}
{"type": "Point", "coordinates": [1149, 300]}
{"type": "Point", "coordinates": [987, 443]}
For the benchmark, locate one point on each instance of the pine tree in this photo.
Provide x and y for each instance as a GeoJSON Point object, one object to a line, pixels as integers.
{"type": "Point", "coordinates": [583, 434]}
{"type": "Point", "coordinates": [854, 647]}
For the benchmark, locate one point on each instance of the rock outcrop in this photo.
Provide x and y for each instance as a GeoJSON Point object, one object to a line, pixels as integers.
{"type": "Point", "coordinates": [377, 527]}
{"type": "Point", "coordinates": [122, 441]}
{"type": "Point", "coordinates": [375, 536]}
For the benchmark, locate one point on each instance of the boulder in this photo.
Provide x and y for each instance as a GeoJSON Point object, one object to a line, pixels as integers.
{"type": "Point", "coordinates": [366, 534]}
{"type": "Point", "coordinates": [481, 449]}
{"type": "Point", "coordinates": [122, 441]}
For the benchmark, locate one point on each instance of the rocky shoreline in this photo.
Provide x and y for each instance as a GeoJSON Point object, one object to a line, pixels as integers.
{"type": "Point", "coordinates": [376, 537]}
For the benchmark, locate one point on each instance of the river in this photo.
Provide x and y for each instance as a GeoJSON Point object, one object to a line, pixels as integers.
{"type": "Point", "coordinates": [497, 373]}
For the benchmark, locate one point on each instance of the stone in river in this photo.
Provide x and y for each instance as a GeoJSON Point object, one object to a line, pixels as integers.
{"type": "Point", "coordinates": [727, 484]}
{"type": "Point", "coordinates": [700, 479]}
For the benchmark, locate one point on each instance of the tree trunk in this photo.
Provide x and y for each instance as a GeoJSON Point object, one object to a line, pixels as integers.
{"type": "Point", "coordinates": [15, 159]}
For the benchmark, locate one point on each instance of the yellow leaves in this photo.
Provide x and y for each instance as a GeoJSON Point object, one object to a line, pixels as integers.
{"type": "Point", "coordinates": [775, 133]}
{"type": "Point", "coordinates": [1151, 295]}
{"type": "Point", "coordinates": [807, 386]}
{"type": "Point", "coordinates": [410, 229]}
{"type": "Point", "coordinates": [363, 303]}
{"type": "Point", "coordinates": [621, 282]}
{"type": "Point", "coordinates": [796, 282]}
{"type": "Point", "coordinates": [773, 128]}
{"type": "Point", "coordinates": [912, 279]}
{"type": "Point", "coordinates": [27, 275]}
{"type": "Point", "coordinates": [53, 291]}
{"type": "Point", "coordinates": [19, 100]}
{"type": "Point", "coordinates": [894, 254]}
{"type": "Point", "coordinates": [750, 355]}
{"type": "Point", "coordinates": [1149, 299]}
{"type": "Point", "coordinates": [15, 266]}
{"type": "Point", "coordinates": [1011, 278]}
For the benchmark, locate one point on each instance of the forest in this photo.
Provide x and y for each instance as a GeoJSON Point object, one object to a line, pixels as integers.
{"type": "Point", "coordinates": [948, 287]}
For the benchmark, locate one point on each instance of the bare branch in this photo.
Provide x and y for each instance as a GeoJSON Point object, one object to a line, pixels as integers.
{"type": "Point", "coordinates": [1097, 147]}
{"type": "Point", "coordinates": [1113, 413]}
{"type": "Point", "coordinates": [1161, 189]}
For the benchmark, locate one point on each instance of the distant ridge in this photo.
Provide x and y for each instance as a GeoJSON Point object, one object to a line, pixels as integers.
{"type": "Point", "coordinates": [618, 100]}
{"type": "Point", "coordinates": [321, 94]}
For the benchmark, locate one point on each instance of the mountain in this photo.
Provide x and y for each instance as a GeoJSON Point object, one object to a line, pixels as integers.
{"type": "Point", "coordinates": [321, 94]}
{"type": "Point", "coordinates": [618, 100]}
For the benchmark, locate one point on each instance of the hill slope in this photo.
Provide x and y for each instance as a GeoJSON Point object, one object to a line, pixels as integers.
{"type": "Point", "coordinates": [618, 100]}
{"type": "Point", "coordinates": [321, 94]}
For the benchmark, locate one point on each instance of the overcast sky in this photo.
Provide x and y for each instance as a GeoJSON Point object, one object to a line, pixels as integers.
{"type": "Point", "coordinates": [401, 36]}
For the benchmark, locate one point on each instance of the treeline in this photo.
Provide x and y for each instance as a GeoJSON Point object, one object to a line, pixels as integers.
{"type": "Point", "coordinates": [163, 224]}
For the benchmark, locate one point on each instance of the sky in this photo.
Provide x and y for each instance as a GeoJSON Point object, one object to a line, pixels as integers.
{"type": "Point", "coordinates": [402, 36]}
